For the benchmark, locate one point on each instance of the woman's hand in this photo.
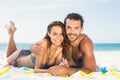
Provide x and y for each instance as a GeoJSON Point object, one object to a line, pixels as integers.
{"type": "Point", "coordinates": [64, 63]}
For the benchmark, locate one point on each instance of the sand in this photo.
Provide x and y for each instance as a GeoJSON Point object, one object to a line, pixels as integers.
{"type": "Point", "coordinates": [104, 59]}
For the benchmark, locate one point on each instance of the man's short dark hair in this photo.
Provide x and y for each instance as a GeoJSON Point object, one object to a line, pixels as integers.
{"type": "Point", "coordinates": [74, 16]}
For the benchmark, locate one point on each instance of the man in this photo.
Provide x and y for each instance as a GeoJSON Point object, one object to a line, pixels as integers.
{"type": "Point", "coordinates": [82, 48]}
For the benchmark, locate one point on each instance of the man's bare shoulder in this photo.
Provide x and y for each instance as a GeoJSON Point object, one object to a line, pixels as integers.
{"type": "Point", "coordinates": [82, 36]}
{"type": "Point", "coordinates": [86, 44]}
{"type": "Point", "coordinates": [81, 39]}
{"type": "Point", "coordinates": [85, 38]}
{"type": "Point", "coordinates": [85, 41]}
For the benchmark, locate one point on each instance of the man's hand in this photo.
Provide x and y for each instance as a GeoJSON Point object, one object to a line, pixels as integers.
{"type": "Point", "coordinates": [58, 70]}
{"type": "Point", "coordinates": [37, 49]}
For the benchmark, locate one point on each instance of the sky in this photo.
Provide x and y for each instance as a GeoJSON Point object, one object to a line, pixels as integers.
{"type": "Point", "coordinates": [31, 17]}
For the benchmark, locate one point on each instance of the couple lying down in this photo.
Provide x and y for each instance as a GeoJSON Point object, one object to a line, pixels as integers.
{"type": "Point", "coordinates": [63, 50]}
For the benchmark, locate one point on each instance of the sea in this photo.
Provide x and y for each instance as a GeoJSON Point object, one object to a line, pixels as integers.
{"type": "Point", "coordinates": [97, 46]}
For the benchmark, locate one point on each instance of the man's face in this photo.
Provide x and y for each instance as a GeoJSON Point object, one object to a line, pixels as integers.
{"type": "Point", "coordinates": [73, 29]}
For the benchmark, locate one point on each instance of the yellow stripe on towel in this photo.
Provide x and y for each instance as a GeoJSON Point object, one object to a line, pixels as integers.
{"type": "Point", "coordinates": [5, 71]}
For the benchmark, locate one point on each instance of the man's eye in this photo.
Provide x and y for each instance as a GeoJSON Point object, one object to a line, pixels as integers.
{"type": "Point", "coordinates": [77, 27]}
{"type": "Point", "coordinates": [68, 27]}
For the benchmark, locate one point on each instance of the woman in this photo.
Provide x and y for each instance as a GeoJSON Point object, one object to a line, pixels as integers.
{"type": "Point", "coordinates": [51, 49]}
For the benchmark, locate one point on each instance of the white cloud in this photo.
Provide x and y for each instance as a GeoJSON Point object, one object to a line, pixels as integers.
{"type": "Point", "coordinates": [44, 7]}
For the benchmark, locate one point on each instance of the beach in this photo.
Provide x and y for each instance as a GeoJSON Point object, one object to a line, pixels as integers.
{"type": "Point", "coordinates": [103, 58]}
{"type": "Point", "coordinates": [107, 59]}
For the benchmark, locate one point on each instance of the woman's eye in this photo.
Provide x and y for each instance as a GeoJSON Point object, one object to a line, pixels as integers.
{"type": "Point", "coordinates": [54, 34]}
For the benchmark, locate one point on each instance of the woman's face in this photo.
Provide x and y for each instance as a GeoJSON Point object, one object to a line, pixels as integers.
{"type": "Point", "coordinates": [56, 36]}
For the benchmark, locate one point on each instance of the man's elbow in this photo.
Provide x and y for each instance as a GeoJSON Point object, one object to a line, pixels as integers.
{"type": "Point", "coordinates": [93, 68]}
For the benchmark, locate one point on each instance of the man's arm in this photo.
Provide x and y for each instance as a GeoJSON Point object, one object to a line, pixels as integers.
{"type": "Point", "coordinates": [39, 47]}
{"type": "Point", "coordinates": [39, 50]}
{"type": "Point", "coordinates": [34, 48]}
{"type": "Point", "coordinates": [59, 70]}
{"type": "Point", "coordinates": [89, 59]}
